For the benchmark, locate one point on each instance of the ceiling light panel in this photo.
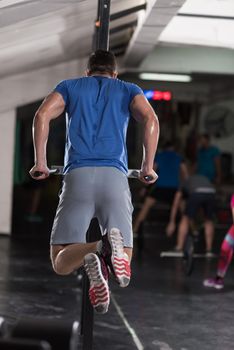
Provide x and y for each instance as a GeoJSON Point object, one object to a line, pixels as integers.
{"type": "Point", "coordinates": [199, 31]}
{"type": "Point", "coordinates": [209, 7]}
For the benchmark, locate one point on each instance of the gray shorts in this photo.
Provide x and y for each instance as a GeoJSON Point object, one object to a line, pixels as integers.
{"type": "Point", "coordinates": [88, 192]}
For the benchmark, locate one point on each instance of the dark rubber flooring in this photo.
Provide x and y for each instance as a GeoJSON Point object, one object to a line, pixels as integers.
{"type": "Point", "coordinates": [162, 309]}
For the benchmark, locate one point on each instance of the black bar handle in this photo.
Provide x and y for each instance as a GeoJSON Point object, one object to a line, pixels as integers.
{"type": "Point", "coordinates": [135, 174]}
{"type": "Point", "coordinates": [51, 171]}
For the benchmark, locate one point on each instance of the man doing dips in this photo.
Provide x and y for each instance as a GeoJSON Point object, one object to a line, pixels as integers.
{"type": "Point", "coordinates": [98, 107]}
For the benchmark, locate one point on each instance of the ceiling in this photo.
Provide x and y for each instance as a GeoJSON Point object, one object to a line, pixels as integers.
{"type": "Point", "coordinates": [41, 33]}
{"type": "Point", "coordinates": [207, 23]}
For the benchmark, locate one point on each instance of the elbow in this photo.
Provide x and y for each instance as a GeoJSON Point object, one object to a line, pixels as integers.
{"type": "Point", "coordinates": [40, 115]}
{"type": "Point", "coordinates": [40, 118]}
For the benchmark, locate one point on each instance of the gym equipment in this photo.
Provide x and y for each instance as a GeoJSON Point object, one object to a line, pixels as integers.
{"type": "Point", "coordinates": [59, 334]}
{"type": "Point", "coordinates": [23, 344]}
{"type": "Point", "coordinates": [58, 170]}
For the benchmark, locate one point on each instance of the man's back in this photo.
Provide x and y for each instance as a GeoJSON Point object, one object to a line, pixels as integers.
{"type": "Point", "coordinates": [97, 110]}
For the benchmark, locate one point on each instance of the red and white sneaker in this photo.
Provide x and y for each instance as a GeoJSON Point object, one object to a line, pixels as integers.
{"type": "Point", "coordinates": [115, 257]}
{"type": "Point", "coordinates": [97, 272]}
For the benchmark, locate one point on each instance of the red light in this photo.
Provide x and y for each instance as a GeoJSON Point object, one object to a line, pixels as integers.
{"type": "Point", "coordinates": [157, 96]}
{"type": "Point", "coordinates": [161, 95]}
{"type": "Point", "coordinates": [167, 95]}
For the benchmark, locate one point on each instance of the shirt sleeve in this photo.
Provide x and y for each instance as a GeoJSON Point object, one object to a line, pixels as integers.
{"type": "Point", "coordinates": [61, 88]}
{"type": "Point", "coordinates": [134, 90]}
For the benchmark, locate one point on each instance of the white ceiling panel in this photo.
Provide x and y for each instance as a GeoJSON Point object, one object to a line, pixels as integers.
{"type": "Point", "coordinates": [209, 7]}
{"type": "Point", "coordinates": [199, 31]}
{"type": "Point", "coordinates": [202, 22]}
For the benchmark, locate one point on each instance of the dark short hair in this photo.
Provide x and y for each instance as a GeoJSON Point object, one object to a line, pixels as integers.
{"type": "Point", "coordinates": [102, 61]}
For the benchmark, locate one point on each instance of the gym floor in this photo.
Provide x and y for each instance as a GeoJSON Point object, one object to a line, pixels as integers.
{"type": "Point", "coordinates": [161, 309]}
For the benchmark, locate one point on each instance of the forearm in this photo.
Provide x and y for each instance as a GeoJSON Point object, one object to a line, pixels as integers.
{"type": "Point", "coordinates": [150, 141]}
{"type": "Point", "coordinates": [40, 136]}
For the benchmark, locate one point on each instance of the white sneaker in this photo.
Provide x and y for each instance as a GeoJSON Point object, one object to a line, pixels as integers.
{"type": "Point", "coordinates": [119, 259]}
{"type": "Point", "coordinates": [97, 272]}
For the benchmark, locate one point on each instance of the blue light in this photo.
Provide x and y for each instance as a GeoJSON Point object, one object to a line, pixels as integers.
{"type": "Point", "coordinates": [148, 94]}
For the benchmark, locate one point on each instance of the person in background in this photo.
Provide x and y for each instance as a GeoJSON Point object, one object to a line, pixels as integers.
{"type": "Point", "coordinates": [225, 258]}
{"type": "Point", "coordinates": [209, 160]}
{"type": "Point", "coordinates": [170, 168]}
{"type": "Point", "coordinates": [199, 193]}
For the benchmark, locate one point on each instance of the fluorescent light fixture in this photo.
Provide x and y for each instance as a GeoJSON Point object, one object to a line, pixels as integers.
{"type": "Point", "coordinates": [181, 78]}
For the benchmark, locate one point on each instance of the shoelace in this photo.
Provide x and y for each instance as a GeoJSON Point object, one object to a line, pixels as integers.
{"type": "Point", "coordinates": [117, 243]}
{"type": "Point", "coordinates": [92, 271]}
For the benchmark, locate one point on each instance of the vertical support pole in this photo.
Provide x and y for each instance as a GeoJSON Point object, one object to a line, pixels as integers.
{"type": "Point", "coordinates": [86, 330]}
{"type": "Point", "coordinates": [102, 25]}
{"type": "Point", "coordinates": [87, 316]}
{"type": "Point", "coordinates": [101, 41]}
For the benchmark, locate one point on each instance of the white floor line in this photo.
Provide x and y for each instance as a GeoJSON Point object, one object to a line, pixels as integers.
{"type": "Point", "coordinates": [135, 338]}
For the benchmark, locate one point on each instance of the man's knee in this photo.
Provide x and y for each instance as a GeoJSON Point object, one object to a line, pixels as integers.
{"type": "Point", "coordinates": [59, 267]}
{"type": "Point", "coordinates": [57, 262]}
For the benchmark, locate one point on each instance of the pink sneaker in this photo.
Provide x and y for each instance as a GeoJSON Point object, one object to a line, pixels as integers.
{"type": "Point", "coordinates": [216, 283]}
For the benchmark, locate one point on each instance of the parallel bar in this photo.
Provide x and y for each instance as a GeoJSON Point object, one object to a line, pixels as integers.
{"type": "Point", "coordinates": [127, 12]}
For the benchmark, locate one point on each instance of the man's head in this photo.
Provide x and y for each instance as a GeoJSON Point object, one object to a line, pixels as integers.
{"type": "Point", "coordinates": [102, 62]}
{"type": "Point", "coordinates": [204, 140]}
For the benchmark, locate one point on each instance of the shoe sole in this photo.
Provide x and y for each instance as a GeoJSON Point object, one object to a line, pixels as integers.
{"type": "Point", "coordinates": [119, 259]}
{"type": "Point", "coordinates": [97, 283]}
{"type": "Point", "coordinates": [212, 286]}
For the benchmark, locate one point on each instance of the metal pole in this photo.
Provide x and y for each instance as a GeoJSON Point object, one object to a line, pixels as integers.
{"type": "Point", "coordinates": [86, 330]}
{"type": "Point", "coordinates": [87, 316]}
{"type": "Point", "coordinates": [102, 25]}
{"type": "Point", "coordinates": [101, 41]}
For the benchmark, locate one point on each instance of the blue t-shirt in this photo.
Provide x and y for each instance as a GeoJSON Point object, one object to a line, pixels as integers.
{"type": "Point", "coordinates": [97, 116]}
{"type": "Point", "coordinates": [206, 162]}
{"type": "Point", "coordinates": [168, 169]}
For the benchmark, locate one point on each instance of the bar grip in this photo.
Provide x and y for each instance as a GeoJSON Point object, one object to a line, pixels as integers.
{"type": "Point", "coordinates": [51, 171]}
{"type": "Point", "coordinates": [135, 174]}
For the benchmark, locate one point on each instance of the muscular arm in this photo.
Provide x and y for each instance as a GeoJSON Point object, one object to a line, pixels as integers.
{"type": "Point", "coordinates": [51, 108]}
{"type": "Point", "coordinates": [144, 113]}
